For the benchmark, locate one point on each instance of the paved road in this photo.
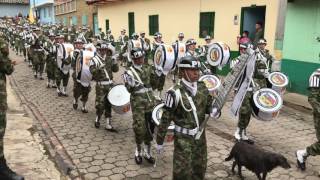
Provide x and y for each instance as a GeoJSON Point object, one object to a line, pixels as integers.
{"type": "Point", "coordinates": [97, 154]}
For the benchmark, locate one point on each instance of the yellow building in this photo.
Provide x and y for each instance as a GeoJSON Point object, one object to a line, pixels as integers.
{"type": "Point", "coordinates": [223, 19]}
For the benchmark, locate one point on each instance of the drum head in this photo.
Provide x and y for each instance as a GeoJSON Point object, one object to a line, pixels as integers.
{"type": "Point", "coordinates": [215, 54]}
{"type": "Point", "coordinates": [119, 95]}
{"type": "Point", "coordinates": [278, 79]}
{"type": "Point", "coordinates": [164, 58]}
{"type": "Point", "coordinates": [267, 100]}
{"type": "Point", "coordinates": [212, 82]}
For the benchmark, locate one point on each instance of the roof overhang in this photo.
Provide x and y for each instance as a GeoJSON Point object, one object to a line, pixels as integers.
{"type": "Point", "coordinates": [100, 2]}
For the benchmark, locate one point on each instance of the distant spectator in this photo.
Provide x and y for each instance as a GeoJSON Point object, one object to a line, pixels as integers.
{"type": "Point", "coordinates": [259, 33]}
{"type": "Point", "coordinates": [244, 38]}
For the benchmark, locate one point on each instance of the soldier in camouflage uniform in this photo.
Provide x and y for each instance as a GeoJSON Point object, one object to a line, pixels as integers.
{"type": "Point", "coordinates": [260, 74]}
{"type": "Point", "coordinates": [123, 40]}
{"type": "Point", "coordinates": [137, 80]}
{"type": "Point", "coordinates": [51, 63]}
{"type": "Point", "coordinates": [102, 65]}
{"type": "Point", "coordinates": [38, 54]}
{"type": "Point", "coordinates": [187, 104]}
{"type": "Point", "coordinates": [314, 100]}
{"type": "Point", "coordinates": [6, 68]}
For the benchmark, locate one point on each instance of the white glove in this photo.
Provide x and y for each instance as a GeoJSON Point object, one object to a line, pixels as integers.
{"type": "Point", "coordinates": [159, 149]}
{"type": "Point", "coordinates": [215, 113]}
{"type": "Point", "coordinates": [128, 80]}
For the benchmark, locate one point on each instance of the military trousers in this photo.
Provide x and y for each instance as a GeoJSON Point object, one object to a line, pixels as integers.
{"type": "Point", "coordinates": [38, 62]}
{"type": "Point", "coordinates": [3, 123]}
{"type": "Point", "coordinates": [245, 111]}
{"type": "Point", "coordinates": [102, 103]}
{"type": "Point", "coordinates": [314, 149]}
{"type": "Point", "coordinates": [51, 67]}
{"type": "Point", "coordinates": [189, 157]}
{"type": "Point", "coordinates": [61, 77]}
{"type": "Point", "coordinates": [157, 82]}
{"type": "Point", "coordinates": [80, 90]}
{"type": "Point", "coordinates": [143, 126]}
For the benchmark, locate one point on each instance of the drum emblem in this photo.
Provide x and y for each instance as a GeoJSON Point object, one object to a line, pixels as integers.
{"type": "Point", "coordinates": [278, 79]}
{"type": "Point", "coordinates": [214, 55]}
{"type": "Point", "coordinates": [158, 57]}
{"type": "Point", "coordinates": [170, 50]}
{"type": "Point", "coordinates": [225, 47]}
{"type": "Point", "coordinates": [267, 100]}
{"type": "Point", "coordinates": [210, 83]}
{"type": "Point", "coordinates": [181, 49]}
{"type": "Point", "coordinates": [137, 44]}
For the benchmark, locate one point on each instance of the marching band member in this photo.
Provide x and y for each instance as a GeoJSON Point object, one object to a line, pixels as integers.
{"type": "Point", "coordinates": [123, 39]}
{"type": "Point", "coordinates": [146, 46]}
{"type": "Point", "coordinates": [81, 76]}
{"type": "Point", "coordinates": [158, 78]}
{"type": "Point", "coordinates": [180, 49]}
{"type": "Point", "coordinates": [109, 37]}
{"type": "Point", "coordinates": [313, 149]}
{"type": "Point", "coordinates": [191, 51]}
{"type": "Point", "coordinates": [186, 104]}
{"type": "Point", "coordinates": [38, 53]}
{"type": "Point", "coordinates": [51, 63]}
{"type": "Point", "coordinates": [64, 66]}
{"type": "Point", "coordinates": [205, 49]}
{"type": "Point", "coordinates": [102, 65]}
{"type": "Point", "coordinates": [137, 80]}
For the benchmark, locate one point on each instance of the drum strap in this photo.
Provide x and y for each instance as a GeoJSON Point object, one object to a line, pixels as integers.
{"type": "Point", "coordinates": [165, 56]}
{"type": "Point", "coordinates": [98, 63]}
{"type": "Point", "coordinates": [194, 109]}
{"type": "Point", "coordinates": [176, 52]}
{"type": "Point", "coordinates": [136, 74]}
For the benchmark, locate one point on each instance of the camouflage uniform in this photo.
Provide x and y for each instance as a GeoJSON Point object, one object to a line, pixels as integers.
{"type": "Point", "coordinates": [51, 63]}
{"type": "Point", "coordinates": [6, 68]}
{"type": "Point", "coordinates": [190, 154]}
{"type": "Point", "coordinates": [38, 60]}
{"type": "Point", "coordinates": [103, 76]}
{"type": "Point", "coordinates": [123, 40]}
{"type": "Point", "coordinates": [314, 100]}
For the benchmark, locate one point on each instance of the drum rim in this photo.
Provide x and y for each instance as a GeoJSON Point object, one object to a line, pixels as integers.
{"type": "Point", "coordinates": [215, 77]}
{"type": "Point", "coordinates": [124, 95]}
{"type": "Point", "coordinates": [154, 113]}
{"type": "Point", "coordinates": [270, 110]}
{"type": "Point", "coordinates": [286, 79]}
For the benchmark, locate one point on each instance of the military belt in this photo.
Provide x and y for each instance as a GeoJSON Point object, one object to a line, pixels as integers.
{"type": "Point", "coordinates": [104, 82]}
{"type": "Point", "coordinates": [143, 90]}
{"type": "Point", "coordinates": [186, 131]}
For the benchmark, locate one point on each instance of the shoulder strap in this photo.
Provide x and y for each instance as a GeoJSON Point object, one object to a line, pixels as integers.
{"type": "Point", "coordinates": [136, 74]}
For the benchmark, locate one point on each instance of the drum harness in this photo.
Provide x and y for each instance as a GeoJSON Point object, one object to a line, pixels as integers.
{"type": "Point", "coordinates": [144, 89]}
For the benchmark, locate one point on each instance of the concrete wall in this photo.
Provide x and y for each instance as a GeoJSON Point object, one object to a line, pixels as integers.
{"type": "Point", "coordinates": [184, 15]}
{"type": "Point", "coordinates": [301, 50]}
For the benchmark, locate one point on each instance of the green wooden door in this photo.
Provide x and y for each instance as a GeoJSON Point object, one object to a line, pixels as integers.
{"type": "Point", "coordinates": [131, 23]}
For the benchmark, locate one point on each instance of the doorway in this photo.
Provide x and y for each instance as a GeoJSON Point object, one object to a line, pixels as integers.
{"type": "Point", "coordinates": [250, 16]}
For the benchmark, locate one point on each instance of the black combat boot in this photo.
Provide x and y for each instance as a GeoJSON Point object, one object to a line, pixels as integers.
{"type": "Point", "coordinates": [75, 104]}
{"type": "Point", "coordinates": [6, 173]}
{"type": "Point", "coordinates": [137, 155]}
{"type": "Point", "coordinates": [147, 154]}
{"type": "Point", "coordinates": [97, 122]}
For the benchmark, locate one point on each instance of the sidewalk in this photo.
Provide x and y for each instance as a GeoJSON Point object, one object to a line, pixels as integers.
{"type": "Point", "coordinates": [297, 101]}
{"type": "Point", "coordinates": [23, 147]}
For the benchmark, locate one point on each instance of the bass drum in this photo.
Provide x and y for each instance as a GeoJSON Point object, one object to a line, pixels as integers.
{"type": "Point", "coordinates": [278, 82]}
{"type": "Point", "coordinates": [212, 82]}
{"type": "Point", "coordinates": [266, 104]}
{"type": "Point", "coordinates": [218, 54]}
{"type": "Point", "coordinates": [165, 58]}
{"type": "Point", "coordinates": [156, 117]}
{"type": "Point", "coordinates": [119, 98]}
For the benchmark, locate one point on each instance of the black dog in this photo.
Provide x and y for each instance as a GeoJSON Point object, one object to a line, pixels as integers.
{"type": "Point", "coordinates": [256, 160]}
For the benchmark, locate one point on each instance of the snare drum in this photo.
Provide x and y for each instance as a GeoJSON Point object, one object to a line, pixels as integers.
{"type": "Point", "coordinates": [278, 82]}
{"type": "Point", "coordinates": [212, 82]}
{"type": "Point", "coordinates": [164, 58]}
{"type": "Point", "coordinates": [156, 117]}
{"type": "Point", "coordinates": [218, 54]}
{"type": "Point", "coordinates": [266, 104]}
{"type": "Point", "coordinates": [119, 98]}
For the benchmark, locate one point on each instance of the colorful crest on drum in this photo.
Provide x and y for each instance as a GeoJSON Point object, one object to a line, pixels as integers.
{"type": "Point", "coordinates": [278, 79]}
{"type": "Point", "coordinates": [268, 99]}
{"type": "Point", "coordinates": [214, 54]}
{"type": "Point", "coordinates": [158, 55]}
{"type": "Point", "coordinates": [169, 49]}
{"type": "Point", "coordinates": [181, 49]}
